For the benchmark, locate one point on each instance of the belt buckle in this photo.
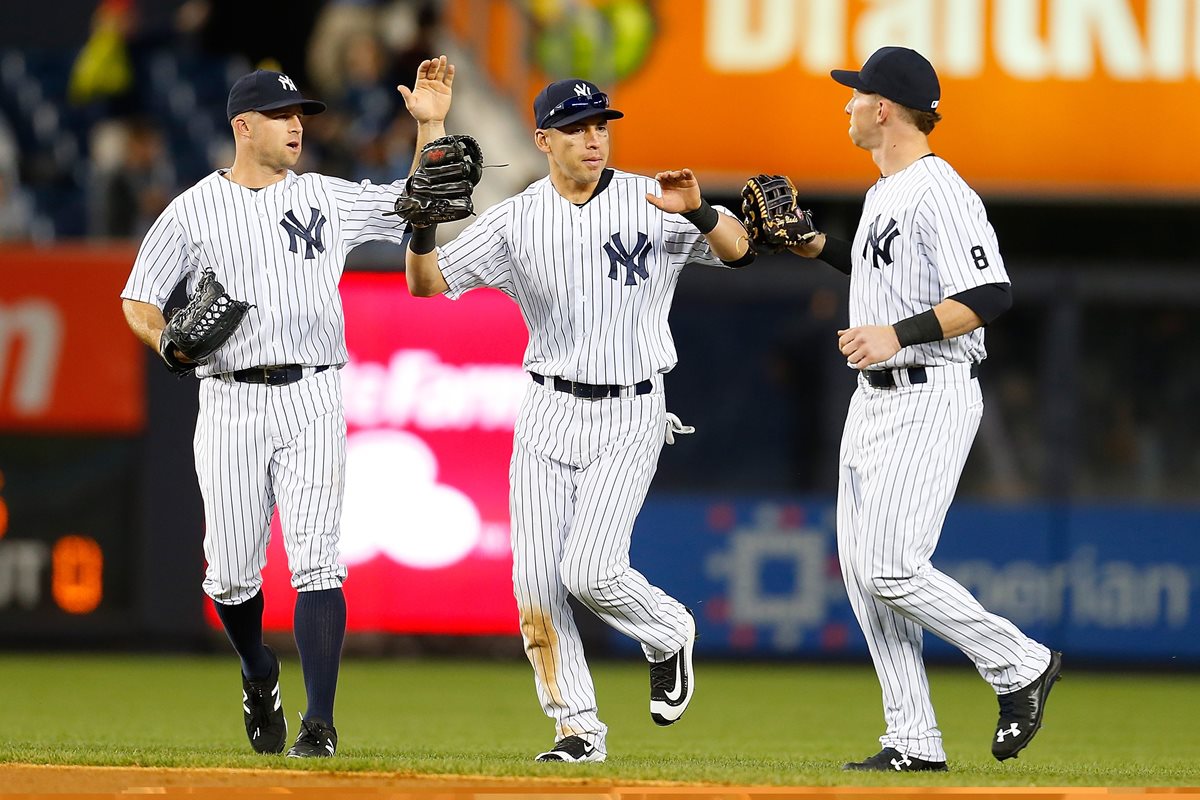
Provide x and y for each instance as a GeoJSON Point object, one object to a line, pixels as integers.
{"type": "Point", "coordinates": [577, 390]}
{"type": "Point", "coordinates": [275, 376]}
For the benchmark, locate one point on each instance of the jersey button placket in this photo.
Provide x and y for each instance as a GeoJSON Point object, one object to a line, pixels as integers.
{"type": "Point", "coordinates": [265, 276]}
{"type": "Point", "coordinates": [579, 284]}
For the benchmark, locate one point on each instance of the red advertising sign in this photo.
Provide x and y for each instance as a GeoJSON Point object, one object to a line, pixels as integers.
{"type": "Point", "coordinates": [67, 359]}
{"type": "Point", "coordinates": [431, 394]}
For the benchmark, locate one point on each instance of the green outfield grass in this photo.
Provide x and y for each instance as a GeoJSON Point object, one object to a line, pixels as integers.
{"type": "Point", "coordinates": [758, 724]}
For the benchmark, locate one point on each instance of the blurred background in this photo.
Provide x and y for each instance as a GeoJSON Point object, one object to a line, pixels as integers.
{"type": "Point", "coordinates": [1077, 516]}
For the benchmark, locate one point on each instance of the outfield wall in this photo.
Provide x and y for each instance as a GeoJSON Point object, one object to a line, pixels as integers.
{"type": "Point", "coordinates": [1103, 583]}
{"type": "Point", "coordinates": [101, 521]}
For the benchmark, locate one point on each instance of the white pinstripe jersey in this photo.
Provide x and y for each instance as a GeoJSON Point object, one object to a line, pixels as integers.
{"type": "Point", "coordinates": [594, 281]}
{"type": "Point", "coordinates": [281, 248]}
{"type": "Point", "coordinates": [924, 236]}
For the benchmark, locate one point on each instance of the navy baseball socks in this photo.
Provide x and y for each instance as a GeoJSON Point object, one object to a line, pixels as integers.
{"type": "Point", "coordinates": [320, 626]}
{"type": "Point", "coordinates": [243, 626]}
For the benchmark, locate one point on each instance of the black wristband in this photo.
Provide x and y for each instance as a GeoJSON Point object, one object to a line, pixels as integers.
{"type": "Point", "coordinates": [423, 240]}
{"type": "Point", "coordinates": [705, 218]}
{"type": "Point", "coordinates": [836, 253]}
{"type": "Point", "coordinates": [919, 329]}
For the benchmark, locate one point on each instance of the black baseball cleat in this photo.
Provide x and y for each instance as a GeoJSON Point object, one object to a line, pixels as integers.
{"type": "Point", "coordinates": [1021, 712]}
{"type": "Point", "coordinates": [262, 710]}
{"type": "Point", "coordinates": [315, 740]}
{"type": "Point", "coordinates": [889, 759]}
{"type": "Point", "coordinates": [672, 682]}
{"type": "Point", "coordinates": [571, 749]}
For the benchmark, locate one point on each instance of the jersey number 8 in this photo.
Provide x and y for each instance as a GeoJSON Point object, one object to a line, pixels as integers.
{"type": "Point", "coordinates": [979, 257]}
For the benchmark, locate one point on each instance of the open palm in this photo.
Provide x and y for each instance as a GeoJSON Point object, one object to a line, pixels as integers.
{"type": "Point", "coordinates": [680, 191]}
{"type": "Point", "coordinates": [429, 99]}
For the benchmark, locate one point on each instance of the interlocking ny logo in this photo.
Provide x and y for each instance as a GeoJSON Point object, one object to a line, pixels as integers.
{"type": "Point", "coordinates": [310, 233]}
{"type": "Point", "coordinates": [881, 241]}
{"type": "Point", "coordinates": [633, 260]}
{"type": "Point", "coordinates": [1014, 731]}
{"type": "Point", "coordinates": [582, 90]}
{"type": "Point", "coordinates": [287, 83]}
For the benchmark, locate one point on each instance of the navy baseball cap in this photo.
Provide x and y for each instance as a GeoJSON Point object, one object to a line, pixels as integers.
{"type": "Point", "coordinates": [571, 100]}
{"type": "Point", "coordinates": [266, 90]}
{"type": "Point", "coordinates": [899, 74]}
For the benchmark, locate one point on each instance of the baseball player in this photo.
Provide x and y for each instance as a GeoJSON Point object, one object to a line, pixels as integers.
{"type": "Point", "coordinates": [591, 255]}
{"type": "Point", "coordinates": [270, 429]}
{"type": "Point", "coordinates": [925, 277]}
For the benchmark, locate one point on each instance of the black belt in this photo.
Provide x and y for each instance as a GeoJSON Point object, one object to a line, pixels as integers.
{"type": "Point", "coordinates": [591, 391]}
{"type": "Point", "coordinates": [886, 378]}
{"type": "Point", "coordinates": [274, 376]}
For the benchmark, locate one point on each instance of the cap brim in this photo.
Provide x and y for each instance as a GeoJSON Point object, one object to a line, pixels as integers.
{"type": "Point", "coordinates": [849, 77]}
{"type": "Point", "coordinates": [307, 107]}
{"type": "Point", "coordinates": [585, 113]}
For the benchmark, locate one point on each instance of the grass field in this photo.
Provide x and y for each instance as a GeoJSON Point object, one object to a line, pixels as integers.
{"type": "Point", "coordinates": [748, 725]}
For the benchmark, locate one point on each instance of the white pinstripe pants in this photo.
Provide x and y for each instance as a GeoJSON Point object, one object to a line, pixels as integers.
{"type": "Point", "coordinates": [903, 450]}
{"type": "Point", "coordinates": [579, 474]}
{"type": "Point", "coordinates": [256, 445]}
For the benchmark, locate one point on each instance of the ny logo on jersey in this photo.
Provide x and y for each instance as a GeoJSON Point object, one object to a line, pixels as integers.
{"type": "Point", "coordinates": [287, 83]}
{"type": "Point", "coordinates": [633, 260]}
{"type": "Point", "coordinates": [881, 241]}
{"type": "Point", "coordinates": [310, 233]}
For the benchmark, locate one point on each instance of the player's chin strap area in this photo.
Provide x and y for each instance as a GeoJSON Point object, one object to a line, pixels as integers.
{"type": "Point", "coordinates": [674, 426]}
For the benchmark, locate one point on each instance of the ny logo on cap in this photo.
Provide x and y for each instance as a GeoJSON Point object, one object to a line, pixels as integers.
{"type": "Point", "coordinates": [287, 83]}
{"type": "Point", "coordinates": [582, 90]}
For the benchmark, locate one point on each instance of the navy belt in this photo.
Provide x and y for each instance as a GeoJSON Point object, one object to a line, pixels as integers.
{"type": "Point", "coordinates": [886, 378]}
{"type": "Point", "coordinates": [592, 391]}
{"type": "Point", "coordinates": [274, 376]}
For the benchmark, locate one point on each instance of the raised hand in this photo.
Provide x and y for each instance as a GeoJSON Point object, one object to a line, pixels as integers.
{"type": "Point", "coordinates": [429, 99]}
{"type": "Point", "coordinates": [680, 191]}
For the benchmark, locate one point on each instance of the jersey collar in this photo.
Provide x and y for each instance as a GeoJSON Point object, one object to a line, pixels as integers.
{"type": "Point", "coordinates": [605, 179]}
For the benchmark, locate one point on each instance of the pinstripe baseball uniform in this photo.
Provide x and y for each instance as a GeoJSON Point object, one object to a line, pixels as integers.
{"type": "Point", "coordinates": [595, 283]}
{"type": "Point", "coordinates": [281, 248]}
{"type": "Point", "coordinates": [923, 236]}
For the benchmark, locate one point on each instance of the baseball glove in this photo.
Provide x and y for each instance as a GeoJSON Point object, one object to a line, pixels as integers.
{"type": "Point", "coordinates": [439, 190]}
{"type": "Point", "coordinates": [199, 328]}
{"type": "Point", "coordinates": [773, 220]}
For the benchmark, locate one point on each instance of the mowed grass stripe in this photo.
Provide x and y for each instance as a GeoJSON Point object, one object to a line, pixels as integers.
{"type": "Point", "coordinates": [767, 724]}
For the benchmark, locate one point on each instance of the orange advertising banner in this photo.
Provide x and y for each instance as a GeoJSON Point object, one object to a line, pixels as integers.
{"type": "Point", "coordinates": [1044, 97]}
{"type": "Point", "coordinates": [68, 362]}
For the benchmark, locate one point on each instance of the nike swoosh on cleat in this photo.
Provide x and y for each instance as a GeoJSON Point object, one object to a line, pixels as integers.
{"type": "Point", "coordinates": [674, 695]}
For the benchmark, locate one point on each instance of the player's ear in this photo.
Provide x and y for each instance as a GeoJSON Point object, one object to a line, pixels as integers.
{"type": "Point", "coordinates": [541, 140]}
{"type": "Point", "coordinates": [240, 125]}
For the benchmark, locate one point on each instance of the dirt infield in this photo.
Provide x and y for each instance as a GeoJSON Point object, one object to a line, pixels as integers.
{"type": "Point", "coordinates": [19, 781]}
